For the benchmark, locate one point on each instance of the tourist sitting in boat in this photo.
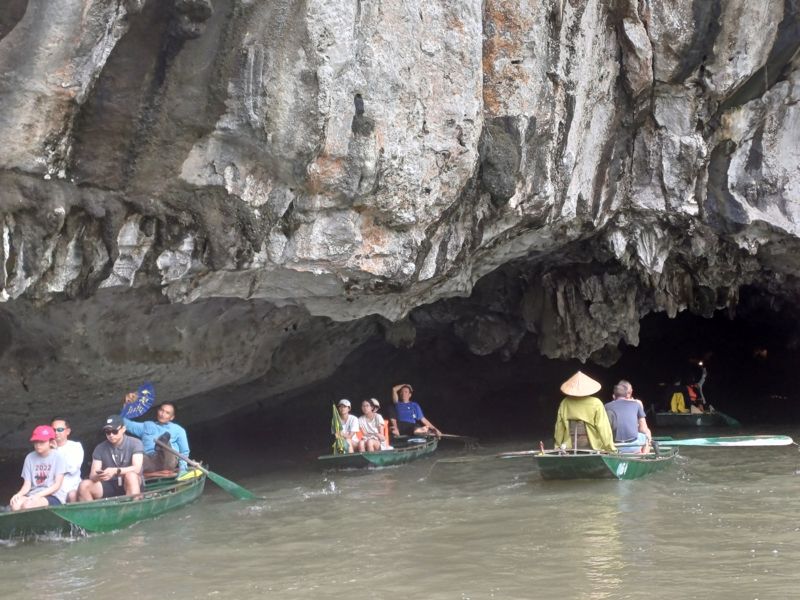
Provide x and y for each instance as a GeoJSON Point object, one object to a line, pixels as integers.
{"type": "Point", "coordinates": [581, 409]}
{"type": "Point", "coordinates": [348, 428]}
{"type": "Point", "coordinates": [72, 452]}
{"type": "Point", "coordinates": [676, 399]}
{"type": "Point", "coordinates": [164, 430]}
{"type": "Point", "coordinates": [116, 464]}
{"type": "Point", "coordinates": [628, 422]}
{"type": "Point", "coordinates": [371, 425]}
{"type": "Point", "coordinates": [42, 474]}
{"type": "Point", "coordinates": [408, 418]}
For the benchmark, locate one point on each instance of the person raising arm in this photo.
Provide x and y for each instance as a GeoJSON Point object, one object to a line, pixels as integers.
{"type": "Point", "coordinates": [408, 418]}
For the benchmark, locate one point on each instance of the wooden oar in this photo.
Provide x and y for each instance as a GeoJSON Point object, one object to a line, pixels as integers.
{"type": "Point", "coordinates": [470, 443]}
{"type": "Point", "coordinates": [745, 441]}
{"type": "Point", "coordinates": [465, 438]}
{"type": "Point", "coordinates": [518, 454]}
{"type": "Point", "coordinates": [729, 420]}
{"type": "Point", "coordinates": [466, 459]}
{"type": "Point", "coordinates": [234, 489]}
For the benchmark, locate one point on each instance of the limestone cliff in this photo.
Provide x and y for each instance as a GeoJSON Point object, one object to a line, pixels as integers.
{"type": "Point", "coordinates": [228, 196]}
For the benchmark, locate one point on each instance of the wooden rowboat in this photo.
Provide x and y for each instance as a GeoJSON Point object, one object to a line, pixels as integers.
{"type": "Point", "coordinates": [707, 419]}
{"type": "Point", "coordinates": [382, 458]}
{"type": "Point", "coordinates": [591, 464]}
{"type": "Point", "coordinates": [102, 515]}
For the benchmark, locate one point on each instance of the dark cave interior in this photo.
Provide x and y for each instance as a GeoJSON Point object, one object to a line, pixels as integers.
{"type": "Point", "coordinates": [750, 358]}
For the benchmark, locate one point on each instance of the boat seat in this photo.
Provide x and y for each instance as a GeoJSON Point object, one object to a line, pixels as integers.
{"type": "Point", "coordinates": [577, 433]}
{"type": "Point", "coordinates": [160, 474]}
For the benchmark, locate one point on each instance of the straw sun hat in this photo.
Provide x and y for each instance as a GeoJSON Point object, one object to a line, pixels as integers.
{"type": "Point", "coordinates": [580, 385]}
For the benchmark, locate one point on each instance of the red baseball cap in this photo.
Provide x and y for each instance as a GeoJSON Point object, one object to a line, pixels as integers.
{"type": "Point", "coordinates": [43, 433]}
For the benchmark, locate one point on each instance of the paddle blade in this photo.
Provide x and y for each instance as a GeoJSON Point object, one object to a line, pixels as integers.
{"type": "Point", "coordinates": [145, 396]}
{"type": "Point", "coordinates": [234, 489]}
{"type": "Point", "coordinates": [729, 420]}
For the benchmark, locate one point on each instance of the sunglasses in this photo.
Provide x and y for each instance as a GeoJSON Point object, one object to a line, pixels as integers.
{"type": "Point", "coordinates": [112, 431]}
{"type": "Point", "coordinates": [60, 429]}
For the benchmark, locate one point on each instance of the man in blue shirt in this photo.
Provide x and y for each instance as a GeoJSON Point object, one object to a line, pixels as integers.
{"type": "Point", "coordinates": [408, 418]}
{"type": "Point", "coordinates": [626, 414]}
{"type": "Point", "coordinates": [163, 429]}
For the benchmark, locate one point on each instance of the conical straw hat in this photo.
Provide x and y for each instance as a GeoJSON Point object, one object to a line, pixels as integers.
{"type": "Point", "coordinates": [580, 385]}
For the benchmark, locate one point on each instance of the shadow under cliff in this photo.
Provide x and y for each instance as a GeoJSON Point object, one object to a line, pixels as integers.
{"type": "Point", "coordinates": [751, 361]}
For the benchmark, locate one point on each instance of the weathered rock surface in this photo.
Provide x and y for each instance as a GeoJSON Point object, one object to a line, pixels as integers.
{"type": "Point", "coordinates": [229, 196]}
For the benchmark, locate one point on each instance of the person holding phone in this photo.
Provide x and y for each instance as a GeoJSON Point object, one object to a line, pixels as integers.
{"type": "Point", "coordinates": [116, 464]}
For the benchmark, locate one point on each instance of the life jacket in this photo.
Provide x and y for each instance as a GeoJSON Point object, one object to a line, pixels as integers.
{"type": "Point", "coordinates": [694, 397]}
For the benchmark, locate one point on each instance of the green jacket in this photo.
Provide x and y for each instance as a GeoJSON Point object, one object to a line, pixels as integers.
{"type": "Point", "coordinates": [592, 412]}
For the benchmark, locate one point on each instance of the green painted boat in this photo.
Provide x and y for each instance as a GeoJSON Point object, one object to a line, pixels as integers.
{"type": "Point", "coordinates": [591, 464]}
{"type": "Point", "coordinates": [707, 419]}
{"type": "Point", "coordinates": [160, 496]}
{"type": "Point", "coordinates": [383, 458]}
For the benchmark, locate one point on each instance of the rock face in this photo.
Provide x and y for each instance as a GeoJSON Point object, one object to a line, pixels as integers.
{"type": "Point", "coordinates": [229, 196]}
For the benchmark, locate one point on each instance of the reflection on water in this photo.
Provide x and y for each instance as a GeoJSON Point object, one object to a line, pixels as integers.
{"type": "Point", "coordinates": [722, 523]}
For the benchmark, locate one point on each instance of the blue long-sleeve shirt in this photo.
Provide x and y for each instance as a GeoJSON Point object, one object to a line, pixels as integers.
{"type": "Point", "coordinates": [150, 431]}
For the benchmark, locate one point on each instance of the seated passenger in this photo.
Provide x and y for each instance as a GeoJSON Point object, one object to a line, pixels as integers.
{"type": "Point", "coordinates": [371, 426]}
{"type": "Point", "coordinates": [580, 405]}
{"type": "Point", "coordinates": [72, 452]}
{"type": "Point", "coordinates": [42, 474]}
{"type": "Point", "coordinates": [676, 401]}
{"type": "Point", "coordinates": [348, 428]}
{"type": "Point", "coordinates": [116, 464]}
{"type": "Point", "coordinates": [628, 421]}
{"type": "Point", "coordinates": [408, 418]}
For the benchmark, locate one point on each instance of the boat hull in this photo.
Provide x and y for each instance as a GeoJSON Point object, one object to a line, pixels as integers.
{"type": "Point", "coordinates": [101, 515]}
{"type": "Point", "coordinates": [384, 458]}
{"type": "Point", "coordinates": [588, 464]}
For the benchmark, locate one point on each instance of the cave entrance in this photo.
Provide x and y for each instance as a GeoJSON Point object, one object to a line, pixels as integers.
{"type": "Point", "coordinates": [751, 359]}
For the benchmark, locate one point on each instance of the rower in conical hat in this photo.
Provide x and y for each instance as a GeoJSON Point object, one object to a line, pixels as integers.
{"type": "Point", "coordinates": [580, 407]}
{"type": "Point", "coordinates": [580, 385]}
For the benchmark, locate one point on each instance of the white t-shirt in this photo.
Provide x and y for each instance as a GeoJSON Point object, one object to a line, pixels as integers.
{"type": "Point", "coordinates": [41, 472]}
{"type": "Point", "coordinates": [72, 452]}
{"type": "Point", "coordinates": [350, 425]}
{"type": "Point", "coordinates": [372, 428]}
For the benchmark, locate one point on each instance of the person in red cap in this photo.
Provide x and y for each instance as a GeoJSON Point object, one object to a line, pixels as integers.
{"type": "Point", "coordinates": [42, 473]}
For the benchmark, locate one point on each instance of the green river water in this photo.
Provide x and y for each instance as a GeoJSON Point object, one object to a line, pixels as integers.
{"type": "Point", "coordinates": [720, 523]}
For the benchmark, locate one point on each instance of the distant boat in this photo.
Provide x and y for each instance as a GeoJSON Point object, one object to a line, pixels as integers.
{"type": "Point", "coordinates": [594, 464]}
{"type": "Point", "coordinates": [381, 458]}
{"type": "Point", "coordinates": [159, 496]}
{"type": "Point", "coordinates": [706, 419]}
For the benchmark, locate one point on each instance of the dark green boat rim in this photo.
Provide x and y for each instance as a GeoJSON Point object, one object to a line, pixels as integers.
{"type": "Point", "coordinates": [590, 464]}
{"type": "Point", "coordinates": [383, 458]}
{"type": "Point", "coordinates": [101, 515]}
